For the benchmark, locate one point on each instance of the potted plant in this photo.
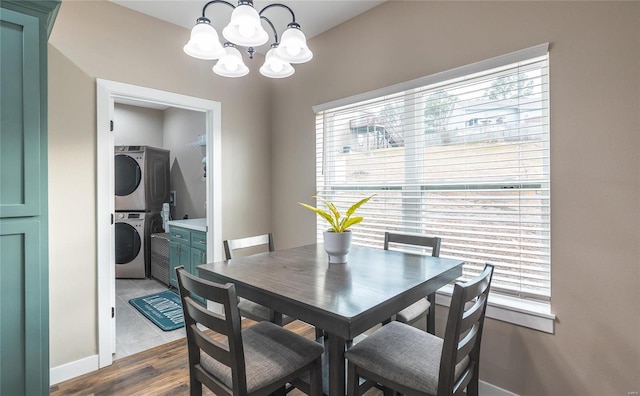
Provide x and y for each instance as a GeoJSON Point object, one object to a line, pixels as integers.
{"type": "Point", "coordinates": [337, 239]}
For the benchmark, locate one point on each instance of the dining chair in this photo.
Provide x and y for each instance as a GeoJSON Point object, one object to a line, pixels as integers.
{"type": "Point", "coordinates": [409, 361]}
{"type": "Point", "coordinates": [248, 308]}
{"type": "Point", "coordinates": [258, 360]}
{"type": "Point", "coordinates": [425, 307]}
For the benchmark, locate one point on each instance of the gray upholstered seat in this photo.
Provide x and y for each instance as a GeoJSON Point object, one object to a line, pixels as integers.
{"type": "Point", "coordinates": [256, 311]}
{"type": "Point", "coordinates": [259, 360]}
{"type": "Point", "coordinates": [404, 359]}
{"type": "Point", "coordinates": [269, 352]}
{"type": "Point", "coordinates": [414, 311]}
{"type": "Point", "coordinates": [403, 354]}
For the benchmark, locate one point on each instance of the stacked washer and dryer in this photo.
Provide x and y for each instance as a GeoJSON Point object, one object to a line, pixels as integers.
{"type": "Point", "coordinates": [141, 187]}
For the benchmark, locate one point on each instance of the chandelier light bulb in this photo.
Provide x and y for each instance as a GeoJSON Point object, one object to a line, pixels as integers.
{"type": "Point", "coordinates": [293, 46]}
{"type": "Point", "coordinates": [294, 50]}
{"type": "Point", "coordinates": [231, 64]}
{"type": "Point", "coordinates": [245, 27]}
{"type": "Point", "coordinates": [204, 42]}
{"type": "Point", "coordinates": [275, 67]}
{"type": "Point", "coordinates": [246, 30]}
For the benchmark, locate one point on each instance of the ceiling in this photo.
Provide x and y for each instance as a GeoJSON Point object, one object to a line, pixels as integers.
{"type": "Point", "coordinates": [314, 16]}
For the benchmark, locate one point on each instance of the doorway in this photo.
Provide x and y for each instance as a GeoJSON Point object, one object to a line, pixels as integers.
{"type": "Point", "coordinates": [109, 93]}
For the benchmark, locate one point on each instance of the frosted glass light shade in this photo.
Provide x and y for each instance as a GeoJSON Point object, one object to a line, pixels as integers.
{"type": "Point", "coordinates": [293, 46]}
{"type": "Point", "coordinates": [204, 42]}
{"type": "Point", "coordinates": [245, 28]}
{"type": "Point", "coordinates": [274, 67]}
{"type": "Point", "coordinates": [231, 64]}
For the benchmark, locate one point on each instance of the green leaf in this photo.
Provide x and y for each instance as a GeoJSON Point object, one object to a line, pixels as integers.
{"type": "Point", "coordinates": [348, 223]}
{"type": "Point", "coordinates": [358, 204]}
{"type": "Point", "coordinates": [323, 214]}
{"type": "Point", "coordinates": [333, 209]}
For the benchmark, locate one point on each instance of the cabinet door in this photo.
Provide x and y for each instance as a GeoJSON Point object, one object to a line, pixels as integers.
{"type": "Point", "coordinates": [198, 256]}
{"type": "Point", "coordinates": [23, 285]}
{"type": "Point", "coordinates": [198, 250]}
{"type": "Point", "coordinates": [179, 254]}
{"type": "Point", "coordinates": [20, 155]}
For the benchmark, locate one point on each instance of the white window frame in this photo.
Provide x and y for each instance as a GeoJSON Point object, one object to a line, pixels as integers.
{"type": "Point", "coordinates": [528, 313]}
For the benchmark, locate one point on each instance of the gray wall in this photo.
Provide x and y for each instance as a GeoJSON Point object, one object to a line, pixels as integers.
{"type": "Point", "coordinates": [595, 179]}
{"type": "Point", "coordinates": [181, 130]}
{"type": "Point", "coordinates": [137, 126]}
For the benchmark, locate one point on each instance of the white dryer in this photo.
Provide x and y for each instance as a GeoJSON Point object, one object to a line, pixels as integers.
{"type": "Point", "coordinates": [133, 242]}
{"type": "Point", "coordinates": [141, 178]}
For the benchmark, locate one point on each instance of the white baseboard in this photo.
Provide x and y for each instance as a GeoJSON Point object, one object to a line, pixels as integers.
{"type": "Point", "coordinates": [487, 389]}
{"type": "Point", "coordinates": [73, 369]}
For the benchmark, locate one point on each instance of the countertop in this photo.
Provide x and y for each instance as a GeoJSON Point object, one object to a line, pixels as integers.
{"type": "Point", "coordinates": [191, 224]}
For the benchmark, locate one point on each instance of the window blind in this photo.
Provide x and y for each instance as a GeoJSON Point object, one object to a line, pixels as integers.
{"type": "Point", "coordinates": [463, 158]}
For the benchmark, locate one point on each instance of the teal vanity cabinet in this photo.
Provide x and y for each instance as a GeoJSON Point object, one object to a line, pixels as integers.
{"type": "Point", "coordinates": [24, 276]}
{"type": "Point", "coordinates": [187, 246]}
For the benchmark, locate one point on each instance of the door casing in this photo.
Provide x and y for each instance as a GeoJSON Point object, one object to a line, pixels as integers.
{"type": "Point", "coordinates": [109, 93]}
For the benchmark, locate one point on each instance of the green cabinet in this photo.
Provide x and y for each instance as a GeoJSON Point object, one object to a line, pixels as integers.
{"type": "Point", "coordinates": [187, 248]}
{"type": "Point", "coordinates": [24, 277]}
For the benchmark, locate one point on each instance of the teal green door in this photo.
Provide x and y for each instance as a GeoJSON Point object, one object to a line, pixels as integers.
{"type": "Point", "coordinates": [19, 115]}
{"type": "Point", "coordinates": [24, 283]}
{"type": "Point", "coordinates": [23, 357]}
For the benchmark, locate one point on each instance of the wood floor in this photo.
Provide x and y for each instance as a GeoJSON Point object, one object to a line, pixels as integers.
{"type": "Point", "coordinates": [159, 371]}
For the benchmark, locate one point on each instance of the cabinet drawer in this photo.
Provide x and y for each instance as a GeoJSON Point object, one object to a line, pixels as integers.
{"type": "Point", "coordinates": [199, 240]}
{"type": "Point", "coordinates": [180, 235]}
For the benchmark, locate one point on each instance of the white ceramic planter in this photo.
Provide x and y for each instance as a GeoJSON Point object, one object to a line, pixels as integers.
{"type": "Point", "coordinates": [337, 246]}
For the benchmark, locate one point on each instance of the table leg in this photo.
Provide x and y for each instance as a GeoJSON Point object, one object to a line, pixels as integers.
{"type": "Point", "coordinates": [336, 365]}
{"type": "Point", "coordinates": [277, 318]}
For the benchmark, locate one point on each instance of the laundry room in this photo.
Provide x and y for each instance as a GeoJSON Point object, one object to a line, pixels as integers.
{"type": "Point", "coordinates": [160, 175]}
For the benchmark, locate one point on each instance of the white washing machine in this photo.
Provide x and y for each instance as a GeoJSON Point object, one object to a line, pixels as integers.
{"type": "Point", "coordinates": [133, 242]}
{"type": "Point", "coordinates": [141, 178]}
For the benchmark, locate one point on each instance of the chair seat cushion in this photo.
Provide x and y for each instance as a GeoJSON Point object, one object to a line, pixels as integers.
{"type": "Point", "coordinates": [255, 311]}
{"type": "Point", "coordinates": [413, 311]}
{"type": "Point", "coordinates": [402, 354]}
{"type": "Point", "coordinates": [271, 353]}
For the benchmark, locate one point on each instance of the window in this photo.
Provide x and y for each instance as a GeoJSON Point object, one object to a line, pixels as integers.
{"type": "Point", "coordinates": [463, 155]}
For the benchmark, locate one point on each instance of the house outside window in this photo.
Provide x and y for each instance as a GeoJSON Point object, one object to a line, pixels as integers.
{"type": "Point", "coordinates": [463, 155]}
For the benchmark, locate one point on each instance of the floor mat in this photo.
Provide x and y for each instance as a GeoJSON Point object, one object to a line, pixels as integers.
{"type": "Point", "coordinates": [163, 309]}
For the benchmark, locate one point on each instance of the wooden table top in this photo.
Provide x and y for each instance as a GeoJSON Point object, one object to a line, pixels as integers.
{"type": "Point", "coordinates": [344, 299]}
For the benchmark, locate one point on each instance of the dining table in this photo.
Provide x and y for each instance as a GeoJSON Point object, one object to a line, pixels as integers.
{"type": "Point", "coordinates": [344, 300]}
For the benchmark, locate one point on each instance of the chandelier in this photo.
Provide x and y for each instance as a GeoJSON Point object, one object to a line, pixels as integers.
{"type": "Point", "coordinates": [245, 29]}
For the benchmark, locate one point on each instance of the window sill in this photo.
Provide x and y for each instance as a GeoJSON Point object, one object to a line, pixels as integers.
{"type": "Point", "coordinates": [531, 314]}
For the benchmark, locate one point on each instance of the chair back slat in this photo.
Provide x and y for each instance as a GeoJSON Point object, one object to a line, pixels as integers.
{"type": "Point", "coordinates": [476, 287]}
{"type": "Point", "coordinates": [216, 350]}
{"type": "Point", "coordinates": [463, 380]}
{"type": "Point", "coordinates": [195, 286]}
{"type": "Point", "coordinates": [472, 315]}
{"type": "Point", "coordinates": [229, 325]}
{"type": "Point", "coordinates": [207, 318]}
{"type": "Point", "coordinates": [467, 343]}
{"type": "Point", "coordinates": [464, 332]}
{"type": "Point", "coordinates": [243, 243]}
{"type": "Point", "coordinates": [414, 240]}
